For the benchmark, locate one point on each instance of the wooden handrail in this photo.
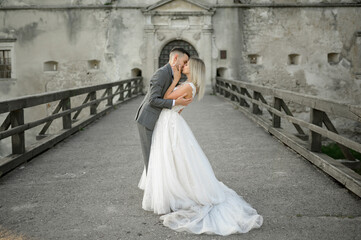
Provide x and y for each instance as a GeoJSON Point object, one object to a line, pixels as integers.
{"type": "Point", "coordinates": [350, 111]}
{"type": "Point", "coordinates": [345, 110]}
{"type": "Point", "coordinates": [250, 99]}
{"type": "Point", "coordinates": [126, 89]}
{"type": "Point", "coordinates": [37, 99]}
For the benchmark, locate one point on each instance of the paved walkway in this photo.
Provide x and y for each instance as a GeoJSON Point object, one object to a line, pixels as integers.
{"type": "Point", "coordinates": [86, 186]}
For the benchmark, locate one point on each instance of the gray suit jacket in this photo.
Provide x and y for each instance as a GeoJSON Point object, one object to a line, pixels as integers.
{"type": "Point", "coordinates": [153, 103]}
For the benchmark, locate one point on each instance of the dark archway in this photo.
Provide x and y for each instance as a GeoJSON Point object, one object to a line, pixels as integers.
{"type": "Point", "coordinates": [164, 54]}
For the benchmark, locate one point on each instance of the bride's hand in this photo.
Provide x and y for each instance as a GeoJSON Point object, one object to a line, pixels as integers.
{"type": "Point", "coordinates": [176, 72]}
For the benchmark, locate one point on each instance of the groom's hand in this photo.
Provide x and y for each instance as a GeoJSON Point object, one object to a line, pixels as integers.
{"type": "Point", "coordinates": [183, 101]}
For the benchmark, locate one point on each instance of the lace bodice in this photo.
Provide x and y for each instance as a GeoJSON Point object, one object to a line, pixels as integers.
{"type": "Point", "coordinates": [177, 108]}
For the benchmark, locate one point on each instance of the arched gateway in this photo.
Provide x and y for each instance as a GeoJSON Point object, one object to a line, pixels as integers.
{"type": "Point", "coordinates": [181, 23]}
{"type": "Point", "coordinates": [164, 54]}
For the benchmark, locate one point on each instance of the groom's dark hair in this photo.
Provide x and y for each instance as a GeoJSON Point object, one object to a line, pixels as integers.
{"type": "Point", "coordinates": [179, 49]}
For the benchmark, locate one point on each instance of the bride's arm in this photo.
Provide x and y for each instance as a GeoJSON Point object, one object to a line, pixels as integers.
{"type": "Point", "coordinates": [176, 75]}
{"type": "Point", "coordinates": [170, 89]}
{"type": "Point", "coordinates": [184, 91]}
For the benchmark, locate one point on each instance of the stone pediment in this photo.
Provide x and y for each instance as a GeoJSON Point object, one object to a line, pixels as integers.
{"type": "Point", "coordinates": [177, 6]}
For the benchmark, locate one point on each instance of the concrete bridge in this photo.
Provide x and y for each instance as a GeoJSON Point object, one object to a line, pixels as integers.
{"type": "Point", "coordinates": [85, 187]}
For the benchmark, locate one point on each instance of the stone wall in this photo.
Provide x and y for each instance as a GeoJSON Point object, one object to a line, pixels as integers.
{"type": "Point", "coordinates": [312, 33]}
{"type": "Point", "coordinates": [71, 42]}
{"type": "Point", "coordinates": [89, 42]}
{"type": "Point", "coordinates": [115, 37]}
{"type": "Point", "coordinates": [72, 39]}
{"type": "Point", "coordinates": [271, 35]}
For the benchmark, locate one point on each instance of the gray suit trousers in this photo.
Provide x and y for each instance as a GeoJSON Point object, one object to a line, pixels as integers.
{"type": "Point", "coordinates": [145, 135]}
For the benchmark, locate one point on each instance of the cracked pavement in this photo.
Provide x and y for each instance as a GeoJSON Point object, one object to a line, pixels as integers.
{"type": "Point", "coordinates": [85, 187]}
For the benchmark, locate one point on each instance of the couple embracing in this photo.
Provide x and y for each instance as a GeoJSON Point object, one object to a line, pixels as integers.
{"type": "Point", "coordinates": [178, 180]}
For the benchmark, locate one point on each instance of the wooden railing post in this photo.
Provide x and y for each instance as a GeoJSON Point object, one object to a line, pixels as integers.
{"type": "Point", "coordinates": [110, 98]}
{"type": "Point", "coordinates": [17, 140]}
{"type": "Point", "coordinates": [236, 89]}
{"type": "Point", "coordinates": [134, 84]}
{"type": "Point", "coordinates": [233, 97]}
{"type": "Point", "coordinates": [129, 87]}
{"type": "Point", "coordinates": [66, 118]}
{"type": "Point", "coordinates": [227, 94]}
{"type": "Point", "coordinates": [243, 102]}
{"type": "Point", "coordinates": [121, 94]}
{"type": "Point", "coordinates": [255, 107]}
{"type": "Point", "coordinates": [316, 117]}
{"type": "Point", "coordinates": [276, 120]}
{"type": "Point", "coordinates": [141, 85]}
{"type": "Point", "coordinates": [221, 91]}
{"type": "Point", "coordinates": [93, 107]}
{"type": "Point", "coordinates": [216, 86]}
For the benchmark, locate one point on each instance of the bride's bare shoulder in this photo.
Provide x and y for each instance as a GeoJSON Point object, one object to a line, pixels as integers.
{"type": "Point", "coordinates": [182, 89]}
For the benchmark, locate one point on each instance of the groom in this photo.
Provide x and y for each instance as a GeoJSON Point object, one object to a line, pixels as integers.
{"type": "Point", "coordinates": [153, 103]}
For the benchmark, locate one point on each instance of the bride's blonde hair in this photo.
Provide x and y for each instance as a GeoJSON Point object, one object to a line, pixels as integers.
{"type": "Point", "coordinates": [197, 71]}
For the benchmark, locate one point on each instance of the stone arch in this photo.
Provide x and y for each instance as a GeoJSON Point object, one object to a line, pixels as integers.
{"type": "Point", "coordinates": [164, 53]}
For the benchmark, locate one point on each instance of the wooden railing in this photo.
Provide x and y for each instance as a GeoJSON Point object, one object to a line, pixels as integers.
{"type": "Point", "coordinates": [14, 108]}
{"type": "Point", "coordinates": [251, 99]}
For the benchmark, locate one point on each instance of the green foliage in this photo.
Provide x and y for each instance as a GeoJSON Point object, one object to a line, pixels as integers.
{"type": "Point", "coordinates": [334, 151]}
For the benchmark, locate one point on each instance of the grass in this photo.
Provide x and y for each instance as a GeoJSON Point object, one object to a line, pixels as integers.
{"type": "Point", "coordinates": [334, 151]}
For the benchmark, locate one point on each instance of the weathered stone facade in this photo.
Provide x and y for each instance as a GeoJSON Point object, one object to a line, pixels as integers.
{"type": "Point", "coordinates": [126, 35]}
{"type": "Point", "coordinates": [308, 46]}
{"type": "Point", "coordinates": [312, 33]}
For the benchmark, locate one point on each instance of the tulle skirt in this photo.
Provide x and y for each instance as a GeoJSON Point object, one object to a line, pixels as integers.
{"type": "Point", "coordinates": [181, 185]}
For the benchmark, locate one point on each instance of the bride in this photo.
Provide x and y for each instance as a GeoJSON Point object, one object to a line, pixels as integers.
{"type": "Point", "coordinates": [180, 182]}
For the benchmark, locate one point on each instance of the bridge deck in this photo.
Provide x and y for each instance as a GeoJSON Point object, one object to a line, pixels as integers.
{"type": "Point", "coordinates": [86, 186]}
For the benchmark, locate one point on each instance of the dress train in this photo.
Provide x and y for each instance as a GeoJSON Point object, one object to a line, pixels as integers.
{"type": "Point", "coordinates": [181, 184]}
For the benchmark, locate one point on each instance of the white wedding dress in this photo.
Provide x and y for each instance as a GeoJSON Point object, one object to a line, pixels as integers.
{"type": "Point", "coordinates": [181, 184]}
